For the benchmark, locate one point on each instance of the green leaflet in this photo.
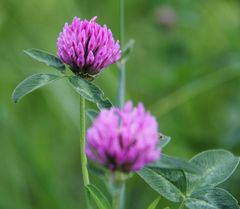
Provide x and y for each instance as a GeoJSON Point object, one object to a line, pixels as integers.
{"type": "Point", "coordinates": [90, 92]}
{"type": "Point", "coordinates": [154, 204]}
{"type": "Point", "coordinates": [32, 83]}
{"type": "Point", "coordinates": [47, 58]}
{"type": "Point", "coordinates": [170, 162]}
{"type": "Point", "coordinates": [161, 185]}
{"type": "Point", "coordinates": [163, 140]}
{"type": "Point", "coordinates": [215, 198]}
{"type": "Point", "coordinates": [100, 200]}
{"type": "Point", "coordinates": [127, 50]}
{"type": "Point", "coordinates": [216, 166]}
{"type": "Point", "coordinates": [92, 114]}
{"type": "Point", "coordinates": [97, 170]}
{"type": "Point", "coordinates": [196, 190]}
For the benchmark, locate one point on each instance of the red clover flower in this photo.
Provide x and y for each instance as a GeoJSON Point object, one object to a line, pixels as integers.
{"type": "Point", "coordinates": [123, 139]}
{"type": "Point", "coordinates": [87, 47]}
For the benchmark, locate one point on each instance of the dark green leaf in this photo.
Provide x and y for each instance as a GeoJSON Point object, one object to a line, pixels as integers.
{"type": "Point", "coordinates": [161, 185]}
{"type": "Point", "coordinates": [32, 83]}
{"type": "Point", "coordinates": [47, 58]}
{"type": "Point", "coordinates": [214, 198]}
{"type": "Point", "coordinates": [216, 167]}
{"type": "Point", "coordinates": [99, 198]}
{"type": "Point", "coordinates": [90, 92]}
{"type": "Point", "coordinates": [173, 163]}
{"type": "Point", "coordinates": [154, 203]}
{"type": "Point", "coordinates": [92, 114]}
{"type": "Point", "coordinates": [163, 140]}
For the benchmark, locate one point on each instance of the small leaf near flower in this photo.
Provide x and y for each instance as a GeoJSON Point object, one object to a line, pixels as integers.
{"type": "Point", "coordinates": [32, 83]}
{"type": "Point", "coordinates": [163, 140]}
{"type": "Point", "coordinates": [47, 58]}
{"type": "Point", "coordinates": [127, 50]}
{"type": "Point", "coordinates": [92, 114]}
{"type": "Point", "coordinates": [154, 204]}
{"type": "Point", "coordinates": [97, 170]}
{"type": "Point", "coordinates": [100, 200]}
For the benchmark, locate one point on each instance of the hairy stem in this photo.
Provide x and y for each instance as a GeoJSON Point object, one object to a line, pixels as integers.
{"type": "Point", "coordinates": [82, 147]}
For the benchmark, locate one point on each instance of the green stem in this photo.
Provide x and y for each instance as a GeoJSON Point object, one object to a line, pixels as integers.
{"type": "Point", "coordinates": [122, 196]}
{"type": "Point", "coordinates": [122, 67]}
{"type": "Point", "coordinates": [121, 87]}
{"type": "Point", "coordinates": [116, 201]}
{"type": "Point", "coordinates": [82, 147]}
{"type": "Point", "coordinates": [121, 6]}
{"type": "Point", "coordinates": [118, 197]}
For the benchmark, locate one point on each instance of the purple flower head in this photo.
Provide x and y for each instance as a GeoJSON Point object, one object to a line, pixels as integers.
{"type": "Point", "coordinates": [87, 47]}
{"type": "Point", "coordinates": [123, 139]}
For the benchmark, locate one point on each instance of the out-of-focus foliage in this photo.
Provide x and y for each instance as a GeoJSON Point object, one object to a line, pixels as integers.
{"type": "Point", "coordinates": [185, 67]}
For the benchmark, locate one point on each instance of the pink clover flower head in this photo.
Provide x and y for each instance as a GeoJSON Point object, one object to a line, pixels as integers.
{"type": "Point", "coordinates": [87, 47]}
{"type": "Point", "coordinates": [123, 139]}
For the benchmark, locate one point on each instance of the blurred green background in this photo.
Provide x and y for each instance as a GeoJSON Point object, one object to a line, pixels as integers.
{"type": "Point", "coordinates": [185, 68]}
